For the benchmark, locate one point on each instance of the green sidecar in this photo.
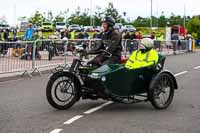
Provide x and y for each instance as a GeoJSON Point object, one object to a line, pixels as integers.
{"type": "Point", "coordinates": [112, 82]}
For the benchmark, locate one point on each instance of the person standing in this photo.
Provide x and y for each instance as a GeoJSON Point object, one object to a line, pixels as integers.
{"type": "Point", "coordinates": [65, 34]}
{"type": "Point", "coordinates": [29, 37]}
{"type": "Point", "coordinates": [189, 39]}
{"type": "Point", "coordinates": [139, 36]}
{"type": "Point", "coordinates": [160, 39]}
{"type": "Point", "coordinates": [133, 36]}
{"type": "Point", "coordinates": [6, 35]}
{"type": "Point", "coordinates": [15, 34]}
{"type": "Point", "coordinates": [1, 35]}
{"type": "Point", "coordinates": [153, 37]}
{"type": "Point", "coordinates": [175, 41]}
{"type": "Point", "coordinates": [127, 36]}
{"type": "Point", "coordinates": [73, 34]}
{"type": "Point", "coordinates": [29, 33]}
{"type": "Point", "coordinates": [86, 35]}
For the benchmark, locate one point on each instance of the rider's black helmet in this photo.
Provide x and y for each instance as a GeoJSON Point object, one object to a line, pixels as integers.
{"type": "Point", "coordinates": [110, 21]}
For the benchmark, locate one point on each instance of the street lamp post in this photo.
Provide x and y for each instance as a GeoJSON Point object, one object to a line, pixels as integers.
{"type": "Point", "coordinates": [184, 17]}
{"type": "Point", "coordinates": [151, 15]}
{"type": "Point", "coordinates": [91, 22]}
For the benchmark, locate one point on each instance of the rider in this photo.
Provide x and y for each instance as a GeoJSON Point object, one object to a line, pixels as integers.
{"type": "Point", "coordinates": [111, 44]}
{"type": "Point", "coordinates": [143, 57]}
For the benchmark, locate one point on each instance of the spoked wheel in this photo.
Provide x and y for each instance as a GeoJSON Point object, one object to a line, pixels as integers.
{"type": "Point", "coordinates": [162, 93]}
{"type": "Point", "coordinates": [62, 91]}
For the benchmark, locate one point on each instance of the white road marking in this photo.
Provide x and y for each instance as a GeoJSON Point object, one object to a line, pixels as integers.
{"type": "Point", "coordinates": [56, 131]}
{"type": "Point", "coordinates": [97, 108]}
{"type": "Point", "coordinates": [73, 119]}
{"type": "Point", "coordinates": [178, 74]}
{"type": "Point", "coordinates": [197, 67]}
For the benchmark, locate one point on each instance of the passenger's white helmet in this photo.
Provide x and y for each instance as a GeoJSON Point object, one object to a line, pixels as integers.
{"type": "Point", "coordinates": [147, 42]}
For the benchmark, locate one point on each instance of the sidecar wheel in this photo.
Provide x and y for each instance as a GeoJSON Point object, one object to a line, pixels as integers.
{"type": "Point", "coordinates": [62, 91]}
{"type": "Point", "coordinates": [162, 93]}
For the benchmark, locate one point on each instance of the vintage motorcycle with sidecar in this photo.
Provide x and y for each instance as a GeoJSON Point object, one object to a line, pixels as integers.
{"type": "Point", "coordinates": [111, 82]}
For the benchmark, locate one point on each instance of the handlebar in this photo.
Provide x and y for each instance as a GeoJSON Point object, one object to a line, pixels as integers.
{"type": "Point", "coordinates": [108, 53]}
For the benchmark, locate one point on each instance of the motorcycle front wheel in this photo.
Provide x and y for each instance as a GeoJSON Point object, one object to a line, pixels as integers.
{"type": "Point", "coordinates": [62, 91]}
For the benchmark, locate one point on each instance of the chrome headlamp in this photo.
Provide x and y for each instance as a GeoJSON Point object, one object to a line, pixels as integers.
{"type": "Point", "coordinates": [97, 76]}
{"type": "Point", "coordinates": [103, 78]}
{"type": "Point", "coordinates": [94, 75]}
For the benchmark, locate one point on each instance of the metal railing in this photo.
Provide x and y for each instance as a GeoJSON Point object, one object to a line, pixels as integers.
{"type": "Point", "coordinates": [29, 57]}
{"type": "Point", "coordinates": [11, 54]}
{"type": "Point", "coordinates": [163, 47]}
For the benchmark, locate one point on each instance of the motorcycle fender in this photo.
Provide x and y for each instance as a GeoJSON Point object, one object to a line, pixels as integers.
{"type": "Point", "coordinates": [154, 79]}
{"type": "Point", "coordinates": [78, 78]}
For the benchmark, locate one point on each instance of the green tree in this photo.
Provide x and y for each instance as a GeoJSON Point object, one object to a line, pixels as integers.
{"type": "Point", "coordinates": [22, 18]}
{"type": "Point", "coordinates": [37, 18]}
{"type": "Point", "coordinates": [112, 11]}
{"type": "Point", "coordinates": [141, 22]}
{"type": "Point", "coordinates": [154, 21]}
{"type": "Point", "coordinates": [81, 18]}
{"type": "Point", "coordinates": [162, 21]}
{"type": "Point", "coordinates": [50, 16]}
{"type": "Point", "coordinates": [123, 21]}
{"type": "Point", "coordinates": [99, 14]}
{"type": "Point", "coordinates": [176, 20]}
{"type": "Point", "coordinates": [59, 18]}
{"type": "Point", "coordinates": [193, 26]}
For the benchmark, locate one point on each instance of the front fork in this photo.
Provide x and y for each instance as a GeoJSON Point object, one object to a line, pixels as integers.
{"type": "Point", "coordinates": [75, 65]}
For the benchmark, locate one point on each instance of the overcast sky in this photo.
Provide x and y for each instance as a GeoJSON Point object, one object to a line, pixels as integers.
{"type": "Point", "coordinates": [133, 8]}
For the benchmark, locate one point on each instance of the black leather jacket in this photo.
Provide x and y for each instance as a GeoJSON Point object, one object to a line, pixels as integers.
{"type": "Point", "coordinates": [111, 42]}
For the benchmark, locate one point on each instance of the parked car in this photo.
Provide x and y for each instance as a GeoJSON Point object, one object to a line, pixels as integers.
{"type": "Point", "coordinates": [74, 27]}
{"type": "Point", "coordinates": [60, 26]}
{"type": "Point", "coordinates": [47, 26]}
{"type": "Point", "coordinates": [4, 27]}
{"type": "Point", "coordinates": [23, 26]}
{"type": "Point", "coordinates": [129, 28]}
{"type": "Point", "coordinates": [89, 28]}
{"type": "Point", "coordinates": [146, 36]}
